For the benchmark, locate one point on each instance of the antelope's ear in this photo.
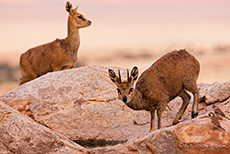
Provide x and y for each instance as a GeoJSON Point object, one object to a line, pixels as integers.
{"type": "Point", "coordinates": [134, 75]}
{"type": "Point", "coordinates": [69, 8]}
{"type": "Point", "coordinates": [75, 10]}
{"type": "Point", "coordinates": [113, 77]}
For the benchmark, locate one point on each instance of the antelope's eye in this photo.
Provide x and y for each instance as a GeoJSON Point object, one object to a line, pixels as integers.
{"type": "Point", "coordinates": [119, 91]}
{"type": "Point", "coordinates": [80, 17]}
{"type": "Point", "coordinates": [130, 90]}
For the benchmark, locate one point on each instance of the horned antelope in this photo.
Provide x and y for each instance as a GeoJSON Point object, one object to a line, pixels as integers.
{"type": "Point", "coordinates": [169, 77]}
{"type": "Point", "coordinates": [57, 55]}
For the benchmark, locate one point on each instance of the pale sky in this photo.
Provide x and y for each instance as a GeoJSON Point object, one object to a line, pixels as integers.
{"type": "Point", "coordinates": [116, 24]}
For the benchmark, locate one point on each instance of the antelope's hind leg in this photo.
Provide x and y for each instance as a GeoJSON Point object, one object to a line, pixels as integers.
{"type": "Point", "coordinates": [193, 88]}
{"type": "Point", "coordinates": [186, 98]}
{"type": "Point", "coordinates": [195, 103]}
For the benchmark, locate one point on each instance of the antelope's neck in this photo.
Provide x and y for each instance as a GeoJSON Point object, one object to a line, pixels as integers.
{"type": "Point", "coordinates": [137, 102]}
{"type": "Point", "coordinates": [73, 38]}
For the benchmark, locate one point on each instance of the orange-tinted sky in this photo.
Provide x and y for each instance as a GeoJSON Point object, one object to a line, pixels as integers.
{"type": "Point", "coordinates": [117, 24]}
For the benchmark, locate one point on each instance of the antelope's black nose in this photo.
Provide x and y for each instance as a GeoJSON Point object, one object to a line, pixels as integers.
{"type": "Point", "coordinates": [89, 23]}
{"type": "Point", "coordinates": [124, 99]}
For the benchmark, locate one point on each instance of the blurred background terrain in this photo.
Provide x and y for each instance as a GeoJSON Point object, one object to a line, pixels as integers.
{"type": "Point", "coordinates": [124, 33]}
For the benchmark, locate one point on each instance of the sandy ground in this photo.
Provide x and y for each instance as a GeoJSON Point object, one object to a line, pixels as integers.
{"type": "Point", "coordinates": [214, 67]}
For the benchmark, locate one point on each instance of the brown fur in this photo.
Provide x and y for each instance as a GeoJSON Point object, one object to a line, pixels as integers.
{"type": "Point", "coordinates": [169, 77]}
{"type": "Point", "coordinates": [57, 55]}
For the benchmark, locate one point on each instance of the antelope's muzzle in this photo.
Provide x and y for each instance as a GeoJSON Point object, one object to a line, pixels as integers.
{"type": "Point", "coordinates": [89, 23]}
{"type": "Point", "coordinates": [124, 99]}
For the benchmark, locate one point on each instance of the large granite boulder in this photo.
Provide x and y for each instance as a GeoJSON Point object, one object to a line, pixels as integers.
{"type": "Point", "coordinates": [192, 136]}
{"type": "Point", "coordinates": [22, 135]}
{"type": "Point", "coordinates": [82, 105]}
{"type": "Point", "coordinates": [79, 103]}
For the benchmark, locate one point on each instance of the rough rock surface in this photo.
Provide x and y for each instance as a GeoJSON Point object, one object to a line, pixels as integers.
{"type": "Point", "coordinates": [20, 134]}
{"type": "Point", "coordinates": [193, 136]}
{"type": "Point", "coordinates": [82, 104]}
{"type": "Point", "coordinates": [216, 92]}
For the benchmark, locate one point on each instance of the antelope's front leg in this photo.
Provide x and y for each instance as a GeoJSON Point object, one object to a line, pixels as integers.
{"type": "Point", "coordinates": [152, 120]}
{"type": "Point", "coordinates": [160, 112]}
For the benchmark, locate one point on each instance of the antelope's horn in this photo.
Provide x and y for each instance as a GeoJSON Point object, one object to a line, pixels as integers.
{"type": "Point", "coordinates": [119, 75]}
{"type": "Point", "coordinates": [128, 75]}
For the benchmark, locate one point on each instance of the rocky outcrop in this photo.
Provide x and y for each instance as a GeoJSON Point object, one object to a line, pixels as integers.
{"type": "Point", "coordinates": [82, 105]}
{"type": "Point", "coordinates": [193, 136]}
{"type": "Point", "coordinates": [216, 92]}
{"type": "Point", "coordinates": [79, 103]}
{"type": "Point", "coordinates": [20, 134]}
{"type": "Point", "coordinates": [190, 136]}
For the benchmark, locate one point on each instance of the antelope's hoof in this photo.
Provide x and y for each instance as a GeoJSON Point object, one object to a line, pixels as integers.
{"type": "Point", "coordinates": [175, 122]}
{"type": "Point", "coordinates": [194, 115]}
{"type": "Point", "coordinates": [151, 130]}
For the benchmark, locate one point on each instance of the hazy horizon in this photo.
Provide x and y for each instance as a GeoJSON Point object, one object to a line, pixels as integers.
{"type": "Point", "coordinates": [117, 25]}
{"type": "Point", "coordinates": [123, 28]}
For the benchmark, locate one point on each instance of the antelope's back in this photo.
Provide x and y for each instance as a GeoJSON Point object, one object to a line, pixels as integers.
{"type": "Point", "coordinates": [168, 73]}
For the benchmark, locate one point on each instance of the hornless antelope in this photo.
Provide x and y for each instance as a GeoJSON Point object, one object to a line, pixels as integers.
{"type": "Point", "coordinates": [57, 55]}
{"type": "Point", "coordinates": [169, 77]}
